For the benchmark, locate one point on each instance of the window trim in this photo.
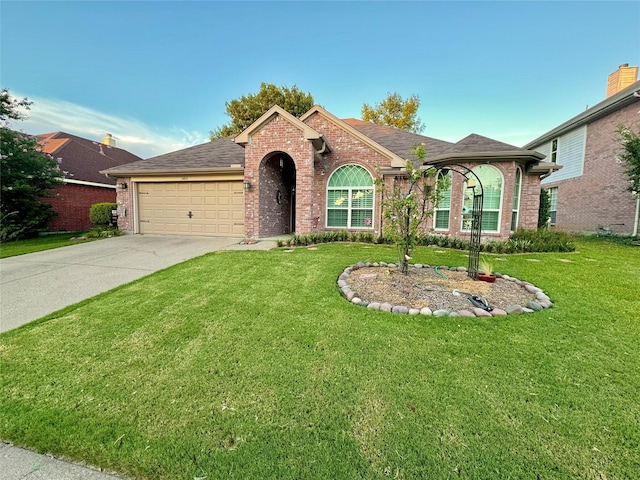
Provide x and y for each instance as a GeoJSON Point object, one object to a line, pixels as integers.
{"type": "Point", "coordinates": [553, 202]}
{"type": "Point", "coordinates": [448, 209]}
{"type": "Point", "coordinates": [516, 208]}
{"type": "Point", "coordinates": [351, 190]}
{"type": "Point", "coordinates": [554, 150]}
{"type": "Point", "coordinates": [484, 208]}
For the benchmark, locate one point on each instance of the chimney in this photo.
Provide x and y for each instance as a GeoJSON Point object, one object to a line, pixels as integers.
{"type": "Point", "coordinates": [111, 142]}
{"type": "Point", "coordinates": [621, 79]}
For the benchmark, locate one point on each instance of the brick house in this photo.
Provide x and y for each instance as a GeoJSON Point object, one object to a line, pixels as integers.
{"type": "Point", "coordinates": [83, 184]}
{"type": "Point", "coordinates": [316, 173]}
{"type": "Point", "coordinates": [590, 193]}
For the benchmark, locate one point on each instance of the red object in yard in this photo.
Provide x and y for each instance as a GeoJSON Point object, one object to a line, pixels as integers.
{"type": "Point", "coordinates": [486, 278]}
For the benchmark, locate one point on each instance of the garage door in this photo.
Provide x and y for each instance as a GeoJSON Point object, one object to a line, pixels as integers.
{"type": "Point", "coordinates": [192, 208]}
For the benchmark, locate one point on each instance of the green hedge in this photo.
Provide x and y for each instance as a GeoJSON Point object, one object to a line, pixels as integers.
{"type": "Point", "coordinates": [100, 213]}
{"type": "Point", "coordinates": [521, 241]}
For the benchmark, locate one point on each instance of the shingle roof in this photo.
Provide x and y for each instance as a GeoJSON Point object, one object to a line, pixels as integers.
{"type": "Point", "coordinates": [609, 105]}
{"type": "Point", "coordinates": [220, 153]}
{"type": "Point", "coordinates": [83, 158]}
{"type": "Point", "coordinates": [399, 142]}
{"type": "Point", "coordinates": [475, 143]}
{"type": "Point", "coordinates": [224, 153]}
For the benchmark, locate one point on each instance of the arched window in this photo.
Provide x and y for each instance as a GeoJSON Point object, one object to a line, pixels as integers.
{"type": "Point", "coordinates": [350, 198]}
{"type": "Point", "coordinates": [441, 213]}
{"type": "Point", "coordinates": [491, 179]}
{"type": "Point", "coordinates": [516, 199]}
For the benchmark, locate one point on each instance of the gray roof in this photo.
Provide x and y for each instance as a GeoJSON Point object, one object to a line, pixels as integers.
{"type": "Point", "coordinates": [400, 142]}
{"type": "Point", "coordinates": [475, 143]}
{"type": "Point", "coordinates": [219, 154]}
{"type": "Point", "coordinates": [613, 103]}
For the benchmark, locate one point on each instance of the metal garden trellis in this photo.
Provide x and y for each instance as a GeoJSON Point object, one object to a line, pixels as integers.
{"type": "Point", "coordinates": [476, 212]}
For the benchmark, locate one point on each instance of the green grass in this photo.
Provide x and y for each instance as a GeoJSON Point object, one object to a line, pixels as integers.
{"type": "Point", "coordinates": [249, 364]}
{"type": "Point", "coordinates": [43, 242]}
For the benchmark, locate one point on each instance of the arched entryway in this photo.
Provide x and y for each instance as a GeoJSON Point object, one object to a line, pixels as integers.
{"type": "Point", "coordinates": [277, 195]}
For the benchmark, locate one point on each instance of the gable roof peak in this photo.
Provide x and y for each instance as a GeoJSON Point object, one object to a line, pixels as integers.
{"type": "Point", "coordinates": [244, 137]}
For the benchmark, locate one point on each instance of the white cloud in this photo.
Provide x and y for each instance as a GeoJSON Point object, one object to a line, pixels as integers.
{"type": "Point", "coordinates": [52, 115]}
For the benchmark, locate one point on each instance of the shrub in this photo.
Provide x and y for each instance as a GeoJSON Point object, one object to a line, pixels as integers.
{"type": "Point", "coordinates": [103, 232]}
{"type": "Point", "coordinates": [100, 213]}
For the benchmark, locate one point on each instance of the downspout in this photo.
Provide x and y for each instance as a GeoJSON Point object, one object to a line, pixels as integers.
{"type": "Point", "coordinates": [635, 221]}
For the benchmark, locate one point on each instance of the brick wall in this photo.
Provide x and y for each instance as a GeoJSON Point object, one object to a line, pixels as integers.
{"type": "Point", "coordinates": [72, 202]}
{"type": "Point", "coordinates": [125, 206]}
{"type": "Point", "coordinates": [278, 135]}
{"type": "Point", "coordinates": [345, 150]}
{"type": "Point", "coordinates": [599, 196]}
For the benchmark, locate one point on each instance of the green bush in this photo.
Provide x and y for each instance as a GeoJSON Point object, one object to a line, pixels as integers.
{"type": "Point", "coordinates": [100, 213]}
{"type": "Point", "coordinates": [103, 232]}
{"type": "Point", "coordinates": [521, 241]}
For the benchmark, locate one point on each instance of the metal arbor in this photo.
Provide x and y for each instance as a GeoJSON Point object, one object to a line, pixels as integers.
{"type": "Point", "coordinates": [475, 185]}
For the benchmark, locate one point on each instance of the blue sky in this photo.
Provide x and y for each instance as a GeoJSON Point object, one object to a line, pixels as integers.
{"type": "Point", "coordinates": [157, 74]}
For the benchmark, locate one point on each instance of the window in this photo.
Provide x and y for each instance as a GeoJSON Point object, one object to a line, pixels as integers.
{"type": "Point", "coordinates": [553, 201]}
{"type": "Point", "coordinates": [554, 150]}
{"type": "Point", "coordinates": [350, 198]}
{"type": "Point", "coordinates": [441, 214]}
{"type": "Point", "coordinates": [516, 199]}
{"type": "Point", "coordinates": [491, 179]}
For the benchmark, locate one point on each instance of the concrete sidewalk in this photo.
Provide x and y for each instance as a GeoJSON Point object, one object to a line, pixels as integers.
{"type": "Point", "coordinates": [17, 463]}
{"type": "Point", "coordinates": [37, 284]}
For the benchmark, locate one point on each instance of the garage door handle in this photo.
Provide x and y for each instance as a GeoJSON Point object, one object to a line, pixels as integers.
{"type": "Point", "coordinates": [189, 214]}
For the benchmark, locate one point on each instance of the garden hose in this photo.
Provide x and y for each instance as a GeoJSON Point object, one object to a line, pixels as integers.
{"type": "Point", "coordinates": [441, 274]}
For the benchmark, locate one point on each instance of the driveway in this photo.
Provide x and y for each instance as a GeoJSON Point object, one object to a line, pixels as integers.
{"type": "Point", "coordinates": [37, 284]}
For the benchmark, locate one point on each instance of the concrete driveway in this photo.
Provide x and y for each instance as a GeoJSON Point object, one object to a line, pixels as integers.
{"type": "Point", "coordinates": [37, 284]}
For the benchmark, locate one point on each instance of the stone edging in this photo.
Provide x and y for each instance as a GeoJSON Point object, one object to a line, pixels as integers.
{"type": "Point", "coordinates": [543, 300]}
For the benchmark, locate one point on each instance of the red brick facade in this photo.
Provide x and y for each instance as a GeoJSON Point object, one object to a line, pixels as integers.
{"type": "Point", "coordinates": [72, 202]}
{"type": "Point", "coordinates": [288, 163]}
{"type": "Point", "coordinates": [599, 197]}
{"type": "Point", "coordinates": [278, 143]}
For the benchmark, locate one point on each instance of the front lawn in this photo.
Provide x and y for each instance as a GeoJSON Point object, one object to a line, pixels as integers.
{"type": "Point", "coordinates": [43, 242]}
{"type": "Point", "coordinates": [249, 364]}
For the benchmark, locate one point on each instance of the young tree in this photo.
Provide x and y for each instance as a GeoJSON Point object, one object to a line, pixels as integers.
{"type": "Point", "coordinates": [248, 108]}
{"type": "Point", "coordinates": [395, 112]}
{"type": "Point", "coordinates": [630, 155]}
{"type": "Point", "coordinates": [407, 205]}
{"type": "Point", "coordinates": [27, 175]}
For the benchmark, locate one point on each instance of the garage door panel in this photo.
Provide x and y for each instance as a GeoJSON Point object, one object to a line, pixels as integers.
{"type": "Point", "coordinates": [217, 208]}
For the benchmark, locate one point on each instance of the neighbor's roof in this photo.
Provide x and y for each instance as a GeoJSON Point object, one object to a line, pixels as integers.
{"type": "Point", "coordinates": [220, 154]}
{"type": "Point", "coordinates": [612, 104]}
{"type": "Point", "coordinates": [83, 159]}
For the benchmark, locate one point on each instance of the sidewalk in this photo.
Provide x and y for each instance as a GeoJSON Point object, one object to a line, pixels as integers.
{"type": "Point", "coordinates": [17, 463]}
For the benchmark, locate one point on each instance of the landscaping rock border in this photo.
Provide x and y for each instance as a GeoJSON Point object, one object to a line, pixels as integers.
{"type": "Point", "coordinates": [542, 301]}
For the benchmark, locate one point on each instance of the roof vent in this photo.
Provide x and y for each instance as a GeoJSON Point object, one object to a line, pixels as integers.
{"type": "Point", "coordinates": [109, 141]}
{"type": "Point", "coordinates": [621, 79]}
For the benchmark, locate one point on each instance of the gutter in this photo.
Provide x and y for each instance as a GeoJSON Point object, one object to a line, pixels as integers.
{"type": "Point", "coordinates": [594, 113]}
{"type": "Point", "coordinates": [164, 172]}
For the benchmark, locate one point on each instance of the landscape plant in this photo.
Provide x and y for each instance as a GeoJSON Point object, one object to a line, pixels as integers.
{"type": "Point", "coordinates": [406, 206]}
{"type": "Point", "coordinates": [201, 371]}
{"type": "Point", "coordinates": [27, 176]}
{"type": "Point", "coordinates": [100, 213]}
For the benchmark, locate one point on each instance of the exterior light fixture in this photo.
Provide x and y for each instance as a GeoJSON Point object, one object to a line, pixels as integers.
{"type": "Point", "coordinates": [247, 185]}
{"type": "Point", "coordinates": [123, 186]}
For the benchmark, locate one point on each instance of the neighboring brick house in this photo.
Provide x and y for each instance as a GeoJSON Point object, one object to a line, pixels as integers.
{"type": "Point", "coordinates": [590, 193]}
{"type": "Point", "coordinates": [316, 173]}
{"type": "Point", "coordinates": [83, 185]}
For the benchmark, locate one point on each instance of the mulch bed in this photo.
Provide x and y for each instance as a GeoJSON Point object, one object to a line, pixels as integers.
{"type": "Point", "coordinates": [423, 287]}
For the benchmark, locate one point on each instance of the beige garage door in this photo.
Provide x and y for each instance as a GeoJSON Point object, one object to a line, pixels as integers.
{"type": "Point", "coordinates": [192, 208]}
